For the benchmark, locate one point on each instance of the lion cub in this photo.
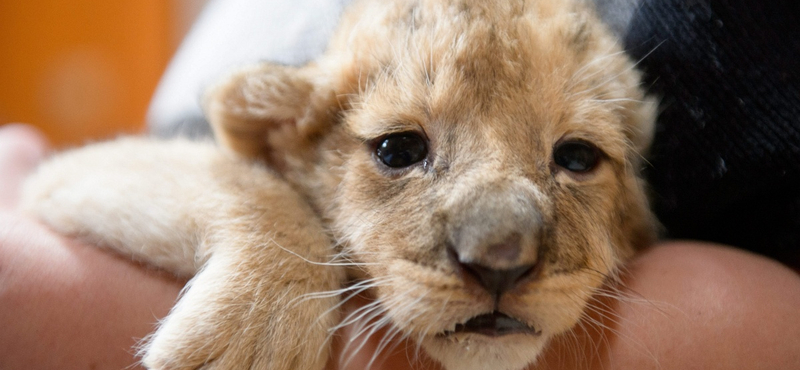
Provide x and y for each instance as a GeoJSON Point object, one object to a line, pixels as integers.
{"type": "Point", "coordinates": [472, 164]}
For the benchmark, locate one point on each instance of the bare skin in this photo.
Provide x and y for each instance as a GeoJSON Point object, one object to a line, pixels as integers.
{"type": "Point", "coordinates": [686, 305]}
{"type": "Point", "coordinates": [64, 305]}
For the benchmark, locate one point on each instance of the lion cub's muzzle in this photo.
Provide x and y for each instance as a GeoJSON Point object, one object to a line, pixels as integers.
{"type": "Point", "coordinates": [493, 245]}
{"type": "Point", "coordinates": [494, 235]}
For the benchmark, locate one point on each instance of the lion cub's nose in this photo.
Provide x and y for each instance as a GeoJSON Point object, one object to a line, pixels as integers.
{"type": "Point", "coordinates": [496, 281]}
{"type": "Point", "coordinates": [494, 230]}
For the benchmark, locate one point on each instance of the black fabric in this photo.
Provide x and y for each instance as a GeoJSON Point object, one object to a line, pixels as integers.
{"type": "Point", "coordinates": [725, 163]}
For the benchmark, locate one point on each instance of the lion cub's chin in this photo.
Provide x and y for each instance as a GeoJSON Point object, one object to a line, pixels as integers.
{"type": "Point", "coordinates": [478, 352]}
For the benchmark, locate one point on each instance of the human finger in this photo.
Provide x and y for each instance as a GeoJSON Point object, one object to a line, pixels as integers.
{"type": "Point", "coordinates": [22, 147]}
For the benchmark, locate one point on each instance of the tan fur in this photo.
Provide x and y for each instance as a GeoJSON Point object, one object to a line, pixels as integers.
{"type": "Point", "coordinates": [186, 208]}
{"type": "Point", "coordinates": [492, 86]}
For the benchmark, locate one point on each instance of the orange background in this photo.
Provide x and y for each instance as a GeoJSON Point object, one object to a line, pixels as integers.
{"type": "Point", "coordinates": [84, 70]}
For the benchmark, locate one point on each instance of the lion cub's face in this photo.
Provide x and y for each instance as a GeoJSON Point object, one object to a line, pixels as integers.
{"type": "Point", "coordinates": [479, 159]}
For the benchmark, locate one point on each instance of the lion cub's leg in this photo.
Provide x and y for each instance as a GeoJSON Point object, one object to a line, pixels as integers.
{"type": "Point", "coordinates": [255, 294]}
{"type": "Point", "coordinates": [142, 198]}
{"type": "Point", "coordinates": [180, 205]}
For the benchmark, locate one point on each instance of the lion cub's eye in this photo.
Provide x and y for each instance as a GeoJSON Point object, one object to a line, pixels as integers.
{"type": "Point", "coordinates": [401, 150]}
{"type": "Point", "coordinates": [576, 156]}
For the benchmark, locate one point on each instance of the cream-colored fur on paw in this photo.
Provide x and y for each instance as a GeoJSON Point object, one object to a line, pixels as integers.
{"type": "Point", "coordinates": [496, 94]}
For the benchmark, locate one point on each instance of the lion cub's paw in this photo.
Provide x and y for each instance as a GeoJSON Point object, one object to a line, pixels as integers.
{"type": "Point", "coordinates": [233, 318]}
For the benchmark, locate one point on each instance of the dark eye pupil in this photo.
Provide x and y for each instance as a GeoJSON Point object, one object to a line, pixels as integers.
{"type": "Point", "coordinates": [576, 156]}
{"type": "Point", "coordinates": [402, 150]}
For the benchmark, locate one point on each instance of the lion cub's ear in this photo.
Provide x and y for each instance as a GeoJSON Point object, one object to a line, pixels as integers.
{"type": "Point", "coordinates": [270, 111]}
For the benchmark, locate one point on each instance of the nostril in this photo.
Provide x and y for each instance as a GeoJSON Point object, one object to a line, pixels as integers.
{"type": "Point", "coordinates": [497, 282]}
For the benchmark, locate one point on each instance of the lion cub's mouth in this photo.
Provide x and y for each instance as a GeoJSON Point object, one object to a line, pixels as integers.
{"type": "Point", "coordinates": [493, 324]}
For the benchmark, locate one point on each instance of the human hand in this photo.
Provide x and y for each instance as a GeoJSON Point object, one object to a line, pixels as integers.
{"type": "Point", "coordinates": [64, 304]}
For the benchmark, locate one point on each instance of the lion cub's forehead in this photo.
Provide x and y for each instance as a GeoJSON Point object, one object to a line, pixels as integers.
{"type": "Point", "coordinates": [476, 64]}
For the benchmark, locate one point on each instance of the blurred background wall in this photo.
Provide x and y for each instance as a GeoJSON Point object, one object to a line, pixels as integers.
{"type": "Point", "coordinates": [84, 70]}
